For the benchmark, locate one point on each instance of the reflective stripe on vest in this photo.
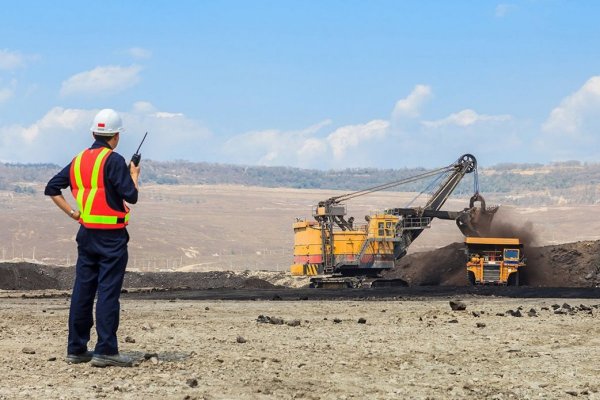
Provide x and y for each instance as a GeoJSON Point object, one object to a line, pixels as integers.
{"type": "Point", "coordinates": [86, 194]}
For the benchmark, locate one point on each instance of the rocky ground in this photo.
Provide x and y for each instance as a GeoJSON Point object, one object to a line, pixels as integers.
{"type": "Point", "coordinates": [494, 348]}
{"type": "Point", "coordinates": [412, 347]}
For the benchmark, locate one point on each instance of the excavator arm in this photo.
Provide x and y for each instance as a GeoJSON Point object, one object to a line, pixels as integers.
{"type": "Point", "coordinates": [472, 221]}
{"type": "Point", "coordinates": [466, 164]}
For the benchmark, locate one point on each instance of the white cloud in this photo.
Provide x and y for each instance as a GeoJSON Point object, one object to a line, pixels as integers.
{"type": "Point", "coordinates": [62, 132]}
{"type": "Point", "coordinates": [275, 147]}
{"type": "Point", "coordinates": [411, 105]}
{"type": "Point", "coordinates": [109, 79]}
{"type": "Point", "coordinates": [577, 114]}
{"type": "Point", "coordinates": [144, 107]}
{"type": "Point", "coordinates": [503, 9]}
{"type": "Point", "coordinates": [57, 119]}
{"type": "Point", "coordinates": [165, 114]}
{"type": "Point", "coordinates": [384, 143]}
{"type": "Point", "coordinates": [465, 118]}
{"type": "Point", "coordinates": [379, 143]}
{"type": "Point", "coordinates": [139, 53]}
{"type": "Point", "coordinates": [311, 147]}
{"type": "Point", "coordinates": [351, 136]}
{"type": "Point", "coordinates": [172, 135]}
{"type": "Point", "coordinates": [45, 139]}
{"type": "Point", "coordinates": [11, 60]}
{"type": "Point", "coordinates": [571, 130]}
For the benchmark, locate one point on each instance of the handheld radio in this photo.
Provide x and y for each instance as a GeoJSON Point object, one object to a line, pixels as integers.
{"type": "Point", "coordinates": [137, 157]}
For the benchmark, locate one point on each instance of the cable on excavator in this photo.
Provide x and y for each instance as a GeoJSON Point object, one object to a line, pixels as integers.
{"type": "Point", "coordinates": [429, 188]}
{"type": "Point", "coordinates": [388, 185]}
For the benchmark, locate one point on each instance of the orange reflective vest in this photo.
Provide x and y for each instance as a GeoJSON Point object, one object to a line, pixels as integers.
{"type": "Point", "coordinates": [87, 186]}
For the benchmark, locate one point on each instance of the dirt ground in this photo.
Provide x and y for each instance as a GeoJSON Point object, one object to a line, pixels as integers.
{"type": "Point", "coordinates": [414, 349]}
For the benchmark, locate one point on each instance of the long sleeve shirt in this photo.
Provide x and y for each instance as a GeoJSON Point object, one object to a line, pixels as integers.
{"type": "Point", "coordinates": [117, 180]}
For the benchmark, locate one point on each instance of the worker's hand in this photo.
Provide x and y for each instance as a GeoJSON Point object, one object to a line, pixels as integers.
{"type": "Point", "coordinates": [133, 170]}
{"type": "Point", "coordinates": [135, 173]}
{"type": "Point", "coordinates": [76, 215]}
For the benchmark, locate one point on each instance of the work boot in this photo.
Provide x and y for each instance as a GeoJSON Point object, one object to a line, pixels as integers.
{"type": "Point", "coordinates": [79, 358]}
{"type": "Point", "coordinates": [116, 360]}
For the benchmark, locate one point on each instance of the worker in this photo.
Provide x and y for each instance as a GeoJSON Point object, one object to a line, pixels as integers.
{"type": "Point", "coordinates": [101, 182]}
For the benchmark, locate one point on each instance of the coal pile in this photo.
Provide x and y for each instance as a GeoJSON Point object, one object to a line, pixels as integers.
{"type": "Point", "coordinates": [27, 276]}
{"type": "Point", "coordinates": [572, 264]}
{"type": "Point", "coordinates": [565, 265]}
{"type": "Point", "coordinates": [444, 266]}
{"type": "Point", "coordinates": [193, 280]}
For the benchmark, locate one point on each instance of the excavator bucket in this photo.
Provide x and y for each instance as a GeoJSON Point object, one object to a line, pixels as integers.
{"type": "Point", "coordinates": [476, 220]}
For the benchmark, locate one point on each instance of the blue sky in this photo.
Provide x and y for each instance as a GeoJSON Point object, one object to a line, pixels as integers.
{"type": "Point", "coordinates": [316, 84]}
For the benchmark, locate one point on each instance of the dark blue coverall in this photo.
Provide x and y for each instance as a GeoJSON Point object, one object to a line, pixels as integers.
{"type": "Point", "coordinates": [101, 261]}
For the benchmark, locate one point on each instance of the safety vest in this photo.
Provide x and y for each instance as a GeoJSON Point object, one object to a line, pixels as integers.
{"type": "Point", "coordinates": [87, 186]}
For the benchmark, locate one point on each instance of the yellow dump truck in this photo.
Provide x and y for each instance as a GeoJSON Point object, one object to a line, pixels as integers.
{"type": "Point", "coordinates": [494, 261]}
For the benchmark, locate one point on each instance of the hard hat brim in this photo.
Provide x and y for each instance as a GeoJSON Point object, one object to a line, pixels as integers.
{"type": "Point", "coordinates": [107, 133]}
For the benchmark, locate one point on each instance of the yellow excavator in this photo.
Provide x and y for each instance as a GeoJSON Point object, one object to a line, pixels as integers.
{"type": "Point", "coordinates": [337, 252]}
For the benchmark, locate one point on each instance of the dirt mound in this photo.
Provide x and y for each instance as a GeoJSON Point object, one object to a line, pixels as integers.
{"type": "Point", "coordinates": [566, 265]}
{"type": "Point", "coordinates": [192, 280]}
{"type": "Point", "coordinates": [26, 276]}
{"type": "Point", "coordinates": [444, 266]}
{"type": "Point", "coordinates": [571, 264]}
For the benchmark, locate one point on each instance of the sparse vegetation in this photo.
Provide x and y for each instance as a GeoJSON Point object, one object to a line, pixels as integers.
{"type": "Point", "coordinates": [570, 182]}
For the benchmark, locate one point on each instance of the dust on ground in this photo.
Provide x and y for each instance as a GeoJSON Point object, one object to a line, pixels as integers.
{"type": "Point", "coordinates": [561, 265]}
{"type": "Point", "coordinates": [400, 349]}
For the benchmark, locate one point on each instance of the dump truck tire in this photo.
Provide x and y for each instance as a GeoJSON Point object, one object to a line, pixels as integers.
{"type": "Point", "coordinates": [513, 279]}
{"type": "Point", "coordinates": [471, 277]}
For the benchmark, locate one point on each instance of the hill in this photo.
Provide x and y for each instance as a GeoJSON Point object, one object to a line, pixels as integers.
{"type": "Point", "coordinates": [570, 182]}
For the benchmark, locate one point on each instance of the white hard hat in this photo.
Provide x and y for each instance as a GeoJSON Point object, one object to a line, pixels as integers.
{"type": "Point", "coordinates": [107, 122]}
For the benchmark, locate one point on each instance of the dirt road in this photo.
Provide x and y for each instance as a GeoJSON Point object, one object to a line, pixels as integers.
{"type": "Point", "coordinates": [405, 349]}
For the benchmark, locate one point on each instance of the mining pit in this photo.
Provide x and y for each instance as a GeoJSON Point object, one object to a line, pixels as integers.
{"type": "Point", "coordinates": [262, 335]}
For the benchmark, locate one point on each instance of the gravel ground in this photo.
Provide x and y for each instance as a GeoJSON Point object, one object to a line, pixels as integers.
{"type": "Point", "coordinates": [314, 350]}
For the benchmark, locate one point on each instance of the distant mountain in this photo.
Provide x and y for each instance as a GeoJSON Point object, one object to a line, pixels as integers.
{"type": "Point", "coordinates": [569, 182]}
